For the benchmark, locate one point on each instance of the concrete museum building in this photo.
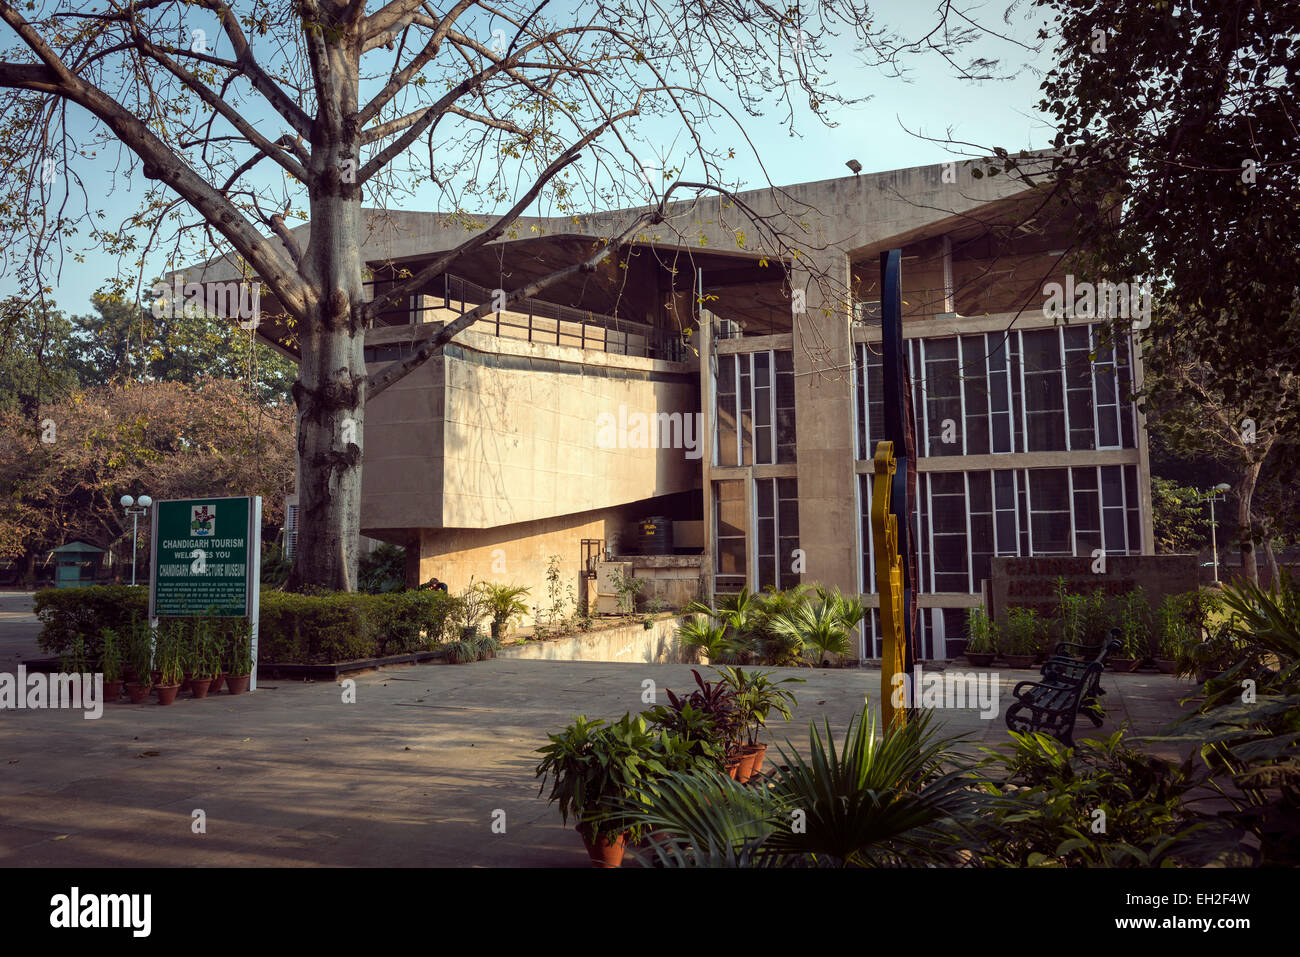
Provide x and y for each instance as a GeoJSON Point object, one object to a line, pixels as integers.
{"type": "Point", "coordinates": [697, 410]}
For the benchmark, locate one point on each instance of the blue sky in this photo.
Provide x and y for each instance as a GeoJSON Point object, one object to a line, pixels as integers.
{"type": "Point", "coordinates": [880, 133]}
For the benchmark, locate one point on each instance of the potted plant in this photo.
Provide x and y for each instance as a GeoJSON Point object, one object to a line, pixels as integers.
{"type": "Point", "coordinates": [1133, 614]}
{"type": "Point", "coordinates": [468, 610]}
{"type": "Point", "coordinates": [238, 664]}
{"type": "Point", "coordinates": [205, 656]}
{"type": "Point", "coordinates": [110, 663]}
{"type": "Point", "coordinates": [77, 660]}
{"type": "Point", "coordinates": [140, 655]}
{"type": "Point", "coordinates": [486, 646]}
{"type": "Point", "coordinates": [1174, 637]}
{"type": "Point", "coordinates": [504, 604]}
{"type": "Point", "coordinates": [596, 771]}
{"type": "Point", "coordinates": [461, 651]}
{"type": "Point", "coordinates": [1021, 643]}
{"type": "Point", "coordinates": [757, 696]}
{"type": "Point", "coordinates": [1216, 654]}
{"type": "Point", "coordinates": [981, 638]}
{"type": "Point", "coordinates": [719, 703]}
{"type": "Point", "coordinates": [680, 718]}
{"type": "Point", "coordinates": [169, 656]}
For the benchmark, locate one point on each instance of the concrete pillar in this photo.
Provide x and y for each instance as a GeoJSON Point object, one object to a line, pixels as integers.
{"type": "Point", "coordinates": [828, 513]}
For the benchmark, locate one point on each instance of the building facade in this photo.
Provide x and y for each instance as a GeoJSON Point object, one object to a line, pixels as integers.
{"type": "Point", "coordinates": [730, 392]}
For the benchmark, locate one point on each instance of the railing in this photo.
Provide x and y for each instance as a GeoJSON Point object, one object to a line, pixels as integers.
{"type": "Point", "coordinates": [970, 301]}
{"type": "Point", "coordinates": [533, 320]}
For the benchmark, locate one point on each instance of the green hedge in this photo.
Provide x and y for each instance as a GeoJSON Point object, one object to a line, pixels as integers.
{"type": "Point", "coordinates": [344, 627]}
{"type": "Point", "coordinates": [69, 612]}
{"type": "Point", "coordinates": [292, 628]}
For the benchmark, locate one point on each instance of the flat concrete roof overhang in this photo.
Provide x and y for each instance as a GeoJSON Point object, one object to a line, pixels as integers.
{"type": "Point", "coordinates": [886, 209]}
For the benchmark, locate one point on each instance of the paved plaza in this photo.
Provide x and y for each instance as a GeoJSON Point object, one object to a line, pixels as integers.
{"type": "Point", "coordinates": [409, 775]}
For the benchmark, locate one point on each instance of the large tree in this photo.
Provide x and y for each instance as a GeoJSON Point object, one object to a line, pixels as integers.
{"type": "Point", "coordinates": [1178, 147]}
{"type": "Point", "coordinates": [1196, 418]}
{"type": "Point", "coordinates": [250, 116]}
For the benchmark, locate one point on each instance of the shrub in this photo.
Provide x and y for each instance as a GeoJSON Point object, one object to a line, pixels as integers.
{"type": "Point", "coordinates": [983, 635]}
{"type": "Point", "coordinates": [1133, 616]}
{"type": "Point", "coordinates": [383, 570]}
{"type": "Point", "coordinates": [71, 613]}
{"type": "Point", "coordinates": [339, 626]}
{"type": "Point", "coordinates": [1024, 632]}
{"type": "Point", "coordinates": [1100, 803]}
{"type": "Point", "coordinates": [275, 566]}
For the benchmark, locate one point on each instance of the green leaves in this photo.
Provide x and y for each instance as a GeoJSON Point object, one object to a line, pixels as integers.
{"type": "Point", "coordinates": [598, 771]}
{"type": "Point", "coordinates": [874, 802]}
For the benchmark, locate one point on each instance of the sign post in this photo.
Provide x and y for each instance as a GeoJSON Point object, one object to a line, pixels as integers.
{"type": "Point", "coordinates": [206, 558]}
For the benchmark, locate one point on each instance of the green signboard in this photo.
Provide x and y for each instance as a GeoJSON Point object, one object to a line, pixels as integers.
{"type": "Point", "coordinates": [205, 557]}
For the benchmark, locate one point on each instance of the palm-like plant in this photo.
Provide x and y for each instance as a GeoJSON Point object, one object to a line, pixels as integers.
{"type": "Point", "coordinates": [703, 632]}
{"type": "Point", "coordinates": [874, 802]}
{"type": "Point", "coordinates": [703, 818]}
{"type": "Point", "coordinates": [505, 604]}
{"type": "Point", "coordinates": [878, 800]}
{"type": "Point", "coordinates": [816, 625]}
{"type": "Point", "coordinates": [1265, 629]}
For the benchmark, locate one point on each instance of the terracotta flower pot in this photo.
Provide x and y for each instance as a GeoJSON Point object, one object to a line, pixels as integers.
{"type": "Point", "coordinates": [745, 770]}
{"type": "Point", "coordinates": [138, 692]}
{"type": "Point", "coordinates": [607, 850]}
{"type": "Point", "coordinates": [112, 690]}
{"type": "Point", "coordinates": [733, 767]}
{"type": "Point", "coordinates": [1122, 664]}
{"type": "Point", "coordinates": [157, 680]}
{"type": "Point", "coordinates": [216, 684]}
{"type": "Point", "coordinates": [167, 693]}
{"type": "Point", "coordinates": [1165, 665]}
{"type": "Point", "coordinates": [236, 684]}
{"type": "Point", "coordinates": [199, 687]}
{"type": "Point", "coordinates": [751, 761]}
{"type": "Point", "coordinates": [979, 659]}
{"type": "Point", "coordinates": [1019, 661]}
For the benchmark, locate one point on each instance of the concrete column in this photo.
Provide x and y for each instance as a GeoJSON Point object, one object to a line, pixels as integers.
{"type": "Point", "coordinates": [828, 514]}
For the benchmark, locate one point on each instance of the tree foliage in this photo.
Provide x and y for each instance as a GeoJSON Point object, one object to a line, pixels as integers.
{"type": "Point", "coordinates": [1177, 141]}
{"type": "Point", "coordinates": [166, 439]}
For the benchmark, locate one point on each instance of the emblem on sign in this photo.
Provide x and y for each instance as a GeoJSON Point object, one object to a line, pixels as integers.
{"type": "Point", "coordinates": [203, 520]}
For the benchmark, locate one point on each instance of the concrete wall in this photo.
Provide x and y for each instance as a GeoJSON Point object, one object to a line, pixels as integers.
{"type": "Point", "coordinates": [1031, 582]}
{"type": "Point", "coordinates": [517, 554]}
{"type": "Point", "coordinates": [628, 644]}
{"type": "Point", "coordinates": [674, 580]}
{"type": "Point", "coordinates": [502, 432]}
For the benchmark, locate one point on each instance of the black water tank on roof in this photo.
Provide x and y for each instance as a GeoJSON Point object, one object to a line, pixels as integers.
{"type": "Point", "coordinates": [654, 536]}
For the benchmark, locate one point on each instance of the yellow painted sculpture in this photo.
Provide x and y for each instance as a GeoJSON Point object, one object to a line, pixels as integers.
{"type": "Point", "coordinates": [889, 583]}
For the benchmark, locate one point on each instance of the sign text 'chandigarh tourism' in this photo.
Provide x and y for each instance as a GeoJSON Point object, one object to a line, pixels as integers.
{"type": "Point", "coordinates": [201, 556]}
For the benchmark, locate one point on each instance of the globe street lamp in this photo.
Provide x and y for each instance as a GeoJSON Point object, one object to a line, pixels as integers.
{"type": "Point", "coordinates": [135, 510]}
{"type": "Point", "coordinates": [1216, 495]}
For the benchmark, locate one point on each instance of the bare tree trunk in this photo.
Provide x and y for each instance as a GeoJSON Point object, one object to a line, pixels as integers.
{"type": "Point", "coordinates": [330, 391]}
{"type": "Point", "coordinates": [1274, 573]}
{"type": "Point", "coordinates": [1245, 527]}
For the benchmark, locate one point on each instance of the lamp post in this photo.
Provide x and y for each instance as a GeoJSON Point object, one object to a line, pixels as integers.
{"type": "Point", "coordinates": [1216, 495]}
{"type": "Point", "coordinates": [135, 510]}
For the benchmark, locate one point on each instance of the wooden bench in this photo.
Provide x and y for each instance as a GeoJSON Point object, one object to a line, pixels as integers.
{"type": "Point", "coordinates": [1071, 683]}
